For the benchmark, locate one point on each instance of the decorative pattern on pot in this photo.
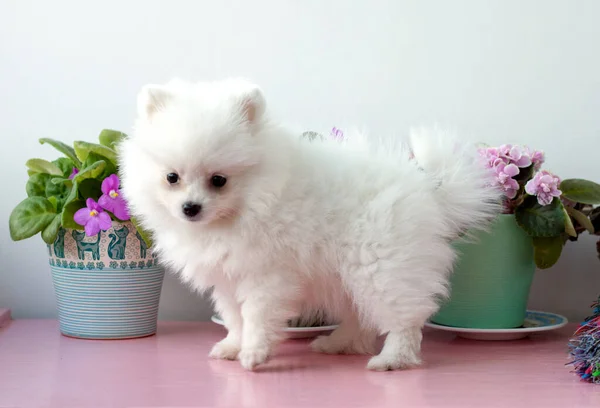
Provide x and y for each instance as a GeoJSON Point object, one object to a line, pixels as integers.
{"type": "Point", "coordinates": [107, 286]}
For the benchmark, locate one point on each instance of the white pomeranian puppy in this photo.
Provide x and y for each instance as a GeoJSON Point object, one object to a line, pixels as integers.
{"type": "Point", "coordinates": [278, 224]}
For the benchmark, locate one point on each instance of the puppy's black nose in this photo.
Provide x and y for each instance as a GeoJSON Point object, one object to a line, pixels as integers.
{"type": "Point", "coordinates": [191, 209]}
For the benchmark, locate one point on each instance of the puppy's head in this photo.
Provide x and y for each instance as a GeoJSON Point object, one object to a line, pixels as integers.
{"type": "Point", "coordinates": [193, 151]}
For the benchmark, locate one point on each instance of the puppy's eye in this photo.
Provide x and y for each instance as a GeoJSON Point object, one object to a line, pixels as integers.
{"type": "Point", "coordinates": [172, 178]}
{"type": "Point", "coordinates": [218, 180]}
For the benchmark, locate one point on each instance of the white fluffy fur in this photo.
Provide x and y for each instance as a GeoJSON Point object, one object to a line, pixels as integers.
{"type": "Point", "coordinates": [358, 228]}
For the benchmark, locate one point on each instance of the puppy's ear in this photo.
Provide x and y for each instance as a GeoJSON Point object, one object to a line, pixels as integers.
{"type": "Point", "coordinates": [151, 99]}
{"type": "Point", "coordinates": [253, 104]}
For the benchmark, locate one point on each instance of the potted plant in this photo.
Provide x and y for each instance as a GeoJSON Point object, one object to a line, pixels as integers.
{"type": "Point", "coordinates": [106, 278]}
{"type": "Point", "coordinates": [492, 277]}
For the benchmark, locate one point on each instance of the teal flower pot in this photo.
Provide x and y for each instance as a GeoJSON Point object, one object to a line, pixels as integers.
{"type": "Point", "coordinates": [107, 286]}
{"type": "Point", "coordinates": [491, 279]}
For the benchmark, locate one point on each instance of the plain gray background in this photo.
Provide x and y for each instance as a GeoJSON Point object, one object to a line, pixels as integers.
{"type": "Point", "coordinates": [499, 71]}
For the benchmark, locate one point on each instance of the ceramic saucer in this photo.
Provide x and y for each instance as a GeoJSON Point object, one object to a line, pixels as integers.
{"type": "Point", "coordinates": [295, 332]}
{"type": "Point", "coordinates": [535, 322]}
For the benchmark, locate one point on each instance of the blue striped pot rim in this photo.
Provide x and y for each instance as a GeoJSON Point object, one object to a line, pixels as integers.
{"type": "Point", "coordinates": [105, 329]}
{"type": "Point", "coordinates": [120, 311]}
{"type": "Point", "coordinates": [114, 286]}
{"type": "Point", "coordinates": [106, 318]}
{"type": "Point", "coordinates": [105, 298]}
{"type": "Point", "coordinates": [136, 281]}
{"type": "Point", "coordinates": [112, 333]}
{"type": "Point", "coordinates": [78, 320]}
{"type": "Point", "coordinates": [108, 336]}
{"type": "Point", "coordinates": [115, 277]}
{"type": "Point", "coordinates": [108, 272]}
{"type": "Point", "coordinates": [117, 271]}
{"type": "Point", "coordinates": [107, 304]}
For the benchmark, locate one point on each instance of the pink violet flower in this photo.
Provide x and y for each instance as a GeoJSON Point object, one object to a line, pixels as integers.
{"type": "Point", "coordinates": [491, 156]}
{"type": "Point", "coordinates": [111, 199]}
{"type": "Point", "coordinates": [504, 151]}
{"type": "Point", "coordinates": [504, 175]}
{"type": "Point", "coordinates": [515, 154]}
{"type": "Point", "coordinates": [73, 173]}
{"type": "Point", "coordinates": [544, 185]}
{"type": "Point", "coordinates": [93, 218]}
{"type": "Point", "coordinates": [520, 156]}
{"type": "Point", "coordinates": [538, 158]}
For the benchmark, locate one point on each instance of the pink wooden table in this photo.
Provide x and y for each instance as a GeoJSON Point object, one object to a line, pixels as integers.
{"type": "Point", "coordinates": [40, 368]}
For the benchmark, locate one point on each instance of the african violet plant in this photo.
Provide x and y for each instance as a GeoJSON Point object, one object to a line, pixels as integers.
{"type": "Point", "coordinates": [551, 211]}
{"type": "Point", "coordinates": [79, 191]}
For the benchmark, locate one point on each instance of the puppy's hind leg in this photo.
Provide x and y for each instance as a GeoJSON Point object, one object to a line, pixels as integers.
{"type": "Point", "coordinates": [398, 293]}
{"type": "Point", "coordinates": [402, 316]}
{"type": "Point", "coordinates": [402, 349]}
{"type": "Point", "coordinates": [348, 338]}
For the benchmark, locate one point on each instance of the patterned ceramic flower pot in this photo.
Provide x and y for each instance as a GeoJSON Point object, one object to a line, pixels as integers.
{"type": "Point", "coordinates": [107, 286]}
{"type": "Point", "coordinates": [491, 279]}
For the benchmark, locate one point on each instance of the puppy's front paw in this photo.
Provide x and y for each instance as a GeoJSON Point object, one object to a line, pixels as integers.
{"type": "Point", "coordinates": [383, 362]}
{"type": "Point", "coordinates": [251, 358]}
{"type": "Point", "coordinates": [225, 350]}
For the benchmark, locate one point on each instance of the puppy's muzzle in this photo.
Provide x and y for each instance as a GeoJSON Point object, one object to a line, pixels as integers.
{"type": "Point", "coordinates": [191, 210]}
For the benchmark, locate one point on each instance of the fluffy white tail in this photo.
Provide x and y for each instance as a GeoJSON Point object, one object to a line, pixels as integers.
{"type": "Point", "coordinates": [466, 192]}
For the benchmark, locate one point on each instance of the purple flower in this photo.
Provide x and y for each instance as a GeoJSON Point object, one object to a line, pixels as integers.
{"type": "Point", "coordinates": [504, 175]}
{"type": "Point", "coordinates": [93, 218]}
{"type": "Point", "coordinates": [337, 134]}
{"type": "Point", "coordinates": [73, 173]}
{"type": "Point", "coordinates": [544, 185]}
{"type": "Point", "coordinates": [111, 199]}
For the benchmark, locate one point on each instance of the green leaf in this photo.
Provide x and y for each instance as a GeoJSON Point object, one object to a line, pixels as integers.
{"type": "Point", "coordinates": [68, 212]}
{"type": "Point", "coordinates": [43, 166]}
{"type": "Point", "coordinates": [29, 217]}
{"type": "Point", "coordinates": [65, 165]}
{"type": "Point", "coordinates": [83, 149]}
{"type": "Point", "coordinates": [541, 220]}
{"type": "Point", "coordinates": [65, 181]}
{"type": "Point", "coordinates": [36, 185]}
{"type": "Point", "coordinates": [547, 250]}
{"type": "Point", "coordinates": [569, 227]}
{"type": "Point", "coordinates": [91, 171]}
{"type": "Point", "coordinates": [72, 194]}
{"type": "Point", "coordinates": [581, 191]}
{"type": "Point", "coordinates": [64, 149]}
{"type": "Point", "coordinates": [51, 231]}
{"type": "Point", "coordinates": [144, 234]}
{"type": "Point", "coordinates": [581, 219]}
{"type": "Point", "coordinates": [31, 172]}
{"type": "Point", "coordinates": [60, 191]}
{"type": "Point", "coordinates": [90, 188]}
{"type": "Point", "coordinates": [111, 138]}
{"type": "Point", "coordinates": [109, 168]}
{"type": "Point", "coordinates": [54, 202]}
